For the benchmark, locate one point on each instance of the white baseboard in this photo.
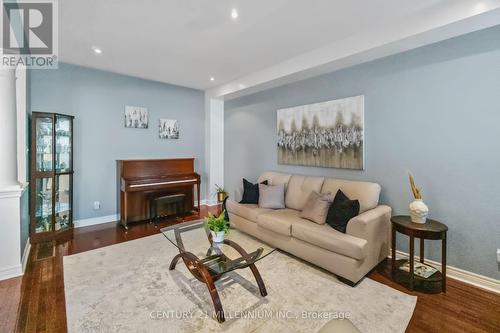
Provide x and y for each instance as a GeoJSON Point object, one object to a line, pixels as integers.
{"type": "Point", "coordinates": [211, 202]}
{"type": "Point", "coordinates": [10, 272]}
{"type": "Point", "coordinates": [202, 202]}
{"type": "Point", "coordinates": [116, 217]}
{"type": "Point", "coordinates": [464, 276]}
{"type": "Point", "coordinates": [26, 255]}
{"type": "Point", "coordinates": [96, 220]}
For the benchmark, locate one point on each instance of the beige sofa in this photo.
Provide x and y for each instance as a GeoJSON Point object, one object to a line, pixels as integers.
{"type": "Point", "coordinates": [351, 255]}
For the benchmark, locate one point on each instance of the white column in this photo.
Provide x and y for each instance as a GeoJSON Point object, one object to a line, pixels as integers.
{"type": "Point", "coordinates": [214, 149]}
{"type": "Point", "coordinates": [8, 128]}
{"type": "Point", "coordinates": [10, 189]}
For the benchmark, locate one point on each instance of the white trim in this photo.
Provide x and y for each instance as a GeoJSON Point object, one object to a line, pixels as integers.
{"type": "Point", "coordinates": [474, 279]}
{"type": "Point", "coordinates": [26, 255]}
{"type": "Point", "coordinates": [211, 202]}
{"type": "Point", "coordinates": [116, 217]}
{"type": "Point", "coordinates": [12, 191]}
{"type": "Point", "coordinates": [10, 272]}
{"type": "Point", "coordinates": [96, 220]}
{"type": "Point", "coordinates": [22, 145]}
{"type": "Point", "coordinates": [208, 202]}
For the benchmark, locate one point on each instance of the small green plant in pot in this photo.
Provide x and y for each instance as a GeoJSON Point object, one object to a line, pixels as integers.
{"type": "Point", "coordinates": [218, 226]}
{"type": "Point", "coordinates": [221, 193]}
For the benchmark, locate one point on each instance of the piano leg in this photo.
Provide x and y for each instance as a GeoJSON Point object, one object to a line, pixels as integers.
{"type": "Point", "coordinates": [124, 218]}
{"type": "Point", "coordinates": [198, 193]}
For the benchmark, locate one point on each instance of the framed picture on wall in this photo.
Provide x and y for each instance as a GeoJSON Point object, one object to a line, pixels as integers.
{"type": "Point", "coordinates": [328, 134]}
{"type": "Point", "coordinates": [169, 129]}
{"type": "Point", "coordinates": [136, 117]}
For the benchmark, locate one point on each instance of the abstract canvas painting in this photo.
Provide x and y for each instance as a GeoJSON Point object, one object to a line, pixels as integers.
{"type": "Point", "coordinates": [328, 134]}
{"type": "Point", "coordinates": [136, 117]}
{"type": "Point", "coordinates": [169, 129]}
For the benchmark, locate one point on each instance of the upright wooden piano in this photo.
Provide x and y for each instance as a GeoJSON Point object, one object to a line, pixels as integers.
{"type": "Point", "coordinates": [139, 180]}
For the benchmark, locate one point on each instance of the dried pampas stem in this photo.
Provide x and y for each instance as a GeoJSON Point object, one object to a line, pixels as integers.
{"type": "Point", "coordinates": [417, 194]}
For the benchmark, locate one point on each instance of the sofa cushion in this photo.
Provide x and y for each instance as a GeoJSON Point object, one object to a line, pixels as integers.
{"type": "Point", "coordinates": [248, 211]}
{"type": "Point", "coordinates": [250, 192]}
{"type": "Point", "coordinates": [279, 221]}
{"type": "Point", "coordinates": [299, 188]}
{"type": "Point", "coordinates": [275, 178]}
{"type": "Point", "coordinates": [272, 196]}
{"type": "Point", "coordinates": [366, 193]}
{"type": "Point", "coordinates": [317, 207]}
{"type": "Point", "coordinates": [341, 211]}
{"type": "Point", "coordinates": [330, 239]}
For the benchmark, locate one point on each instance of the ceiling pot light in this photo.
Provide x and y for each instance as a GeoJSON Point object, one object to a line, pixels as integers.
{"type": "Point", "coordinates": [234, 14]}
{"type": "Point", "coordinates": [96, 50]}
{"type": "Point", "coordinates": [212, 79]}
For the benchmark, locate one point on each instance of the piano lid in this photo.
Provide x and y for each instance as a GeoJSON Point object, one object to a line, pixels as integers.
{"type": "Point", "coordinates": [152, 168]}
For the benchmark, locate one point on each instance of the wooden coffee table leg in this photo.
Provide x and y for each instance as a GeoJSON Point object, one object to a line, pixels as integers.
{"type": "Point", "coordinates": [174, 261]}
{"type": "Point", "coordinates": [219, 312]}
{"type": "Point", "coordinates": [252, 267]}
{"type": "Point", "coordinates": [201, 273]}
{"type": "Point", "coordinates": [259, 280]}
{"type": "Point", "coordinates": [209, 281]}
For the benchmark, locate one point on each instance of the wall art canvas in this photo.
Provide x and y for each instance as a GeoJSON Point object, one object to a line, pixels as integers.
{"type": "Point", "coordinates": [169, 129]}
{"type": "Point", "coordinates": [136, 117]}
{"type": "Point", "coordinates": [328, 134]}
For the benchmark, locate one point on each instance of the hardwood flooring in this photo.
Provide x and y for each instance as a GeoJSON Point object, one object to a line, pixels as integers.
{"type": "Point", "coordinates": [35, 302]}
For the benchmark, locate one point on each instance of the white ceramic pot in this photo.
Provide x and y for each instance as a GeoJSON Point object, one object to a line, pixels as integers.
{"type": "Point", "coordinates": [217, 237]}
{"type": "Point", "coordinates": [418, 211]}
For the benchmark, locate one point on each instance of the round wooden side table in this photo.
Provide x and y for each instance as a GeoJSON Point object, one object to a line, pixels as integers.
{"type": "Point", "coordinates": [431, 230]}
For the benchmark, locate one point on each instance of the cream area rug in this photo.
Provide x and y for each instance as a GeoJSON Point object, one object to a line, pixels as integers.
{"type": "Point", "coordinates": [128, 288]}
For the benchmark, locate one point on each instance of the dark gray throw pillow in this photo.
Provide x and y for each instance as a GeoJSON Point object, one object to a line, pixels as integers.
{"type": "Point", "coordinates": [251, 192]}
{"type": "Point", "coordinates": [341, 211]}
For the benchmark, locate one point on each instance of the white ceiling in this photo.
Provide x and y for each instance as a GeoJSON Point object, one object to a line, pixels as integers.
{"type": "Point", "coordinates": [185, 42]}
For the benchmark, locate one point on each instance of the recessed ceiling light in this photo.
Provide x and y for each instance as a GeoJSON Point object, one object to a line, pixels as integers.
{"type": "Point", "coordinates": [96, 50]}
{"type": "Point", "coordinates": [479, 7]}
{"type": "Point", "coordinates": [234, 13]}
{"type": "Point", "coordinates": [212, 79]}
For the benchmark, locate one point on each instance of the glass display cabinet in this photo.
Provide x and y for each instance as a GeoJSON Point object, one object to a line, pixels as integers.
{"type": "Point", "coordinates": [51, 196]}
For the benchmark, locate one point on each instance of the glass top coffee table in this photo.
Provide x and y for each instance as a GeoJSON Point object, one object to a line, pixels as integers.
{"type": "Point", "coordinates": [209, 261]}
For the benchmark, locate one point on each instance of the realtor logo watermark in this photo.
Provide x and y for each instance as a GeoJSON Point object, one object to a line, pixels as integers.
{"type": "Point", "coordinates": [29, 34]}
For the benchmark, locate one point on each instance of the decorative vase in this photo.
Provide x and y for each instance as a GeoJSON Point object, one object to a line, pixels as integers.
{"type": "Point", "coordinates": [217, 237]}
{"type": "Point", "coordinates": [221, 196]}
{"type": "Point", "coordinates": [418, 211]}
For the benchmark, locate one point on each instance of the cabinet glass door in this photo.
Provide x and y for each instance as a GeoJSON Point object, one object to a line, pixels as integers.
{"type": "Point", "coordinates": [63, 202]}
{"type": "Point", "coordinates": [43, 209]}
{"type": "Point", "coordinates": [63, 144]}
{"type": "Point", "coordinates": [44, 144]}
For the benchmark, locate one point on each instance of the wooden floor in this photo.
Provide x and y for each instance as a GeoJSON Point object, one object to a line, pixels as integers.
{"type": "Point", "coordinates": [35, 302]}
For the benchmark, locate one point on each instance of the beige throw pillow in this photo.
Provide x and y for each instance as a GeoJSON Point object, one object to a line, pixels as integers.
{"type": "Point", "coordinates": [316, 207]}
{"type": "Point", "coordinates": [272, 197]}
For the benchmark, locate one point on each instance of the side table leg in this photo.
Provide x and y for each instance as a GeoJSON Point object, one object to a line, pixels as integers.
{"type": "Point", "coordinates": [443, 263]}
{"type": "Point", "coordinates": [422, 246]}
{"type": "Point", "coordinates": [393, 254]}
{"type": "Point", "coordinates": [412, 259]}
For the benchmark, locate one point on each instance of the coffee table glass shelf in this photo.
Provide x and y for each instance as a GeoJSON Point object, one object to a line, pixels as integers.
{"type": "Point", "coordinates": [209, 261]}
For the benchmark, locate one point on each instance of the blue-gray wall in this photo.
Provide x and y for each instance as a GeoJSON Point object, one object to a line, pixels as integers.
{"type": "Point", "coordinates": [433, 110]}
{"type": "Point", "coordinates": [97, 99]}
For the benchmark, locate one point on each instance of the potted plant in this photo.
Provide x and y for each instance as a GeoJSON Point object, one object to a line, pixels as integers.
{"type": "Point", "coordinates": [418, 209]}
{"type": "Point", "coordinates": [221, 193]}
{"type": "Point", "coordinates": [218, 226]}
